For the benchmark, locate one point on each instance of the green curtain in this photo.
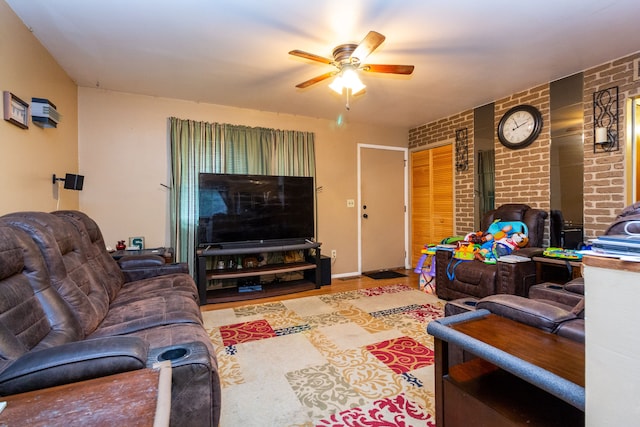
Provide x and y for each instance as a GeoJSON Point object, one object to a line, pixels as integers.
{"type": "Point", "coordinates": [223, 148]}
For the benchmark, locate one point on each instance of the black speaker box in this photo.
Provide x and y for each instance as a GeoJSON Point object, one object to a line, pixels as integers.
{"type": "Point", "coordinates": [325, 270]}
{"type": "Point", "coordinates": [73, 182]}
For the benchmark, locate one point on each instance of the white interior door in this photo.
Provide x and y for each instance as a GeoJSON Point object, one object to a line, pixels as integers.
{"type": "Point", "coordinates": [382, 207]}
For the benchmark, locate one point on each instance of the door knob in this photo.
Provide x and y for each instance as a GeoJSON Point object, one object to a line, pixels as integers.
{"type": "Point", "coordinates": [365, 216]}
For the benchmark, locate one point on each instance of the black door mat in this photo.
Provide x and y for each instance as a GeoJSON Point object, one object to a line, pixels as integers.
{"type": "Point", "coordinates": [387, 274]}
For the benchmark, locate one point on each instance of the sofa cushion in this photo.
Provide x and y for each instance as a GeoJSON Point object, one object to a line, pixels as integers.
{"type": "Point", "coordinates": [151, 312]}
{"type": "Point", "coordinates": [95, 250]}
{"type": "Point", "coordinates": [530, 312]}
{"type": "Point", "coordinates": [506, 212]}
{"type": "Point", "coordinates": [572, 329]}
{"type": "Point", "coordinates": [554, 292]}
{"type": "Point", "coordinates": [107, 270]}
{"type": "Point", "coordinates": [68, 268]}
{"type": "Point", "coordinates": [575, 286]}
{"type": "Point", "coordinates": [32, 315]}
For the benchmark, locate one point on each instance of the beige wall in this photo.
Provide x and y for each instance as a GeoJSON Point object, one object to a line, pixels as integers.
{"type": "Point", "coordinates": [30, 156]}
{"type": "Point", "coordinates": [123, 148]}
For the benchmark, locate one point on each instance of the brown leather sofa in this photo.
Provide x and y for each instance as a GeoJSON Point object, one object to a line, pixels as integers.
{"type": "Point", "coordinates": [68, 314]}
{"type": "Point", "coordinates": [477, 279]}
{"type": "Point", "coordinates": [559, 310]}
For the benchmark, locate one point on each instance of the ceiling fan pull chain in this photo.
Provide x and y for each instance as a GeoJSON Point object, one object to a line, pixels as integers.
{"type": "Point", "coordinates": [348, 106]}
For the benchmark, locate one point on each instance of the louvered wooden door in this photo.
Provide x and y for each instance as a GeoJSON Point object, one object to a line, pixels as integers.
{"type": "Point", "coordinates": [431, 197]}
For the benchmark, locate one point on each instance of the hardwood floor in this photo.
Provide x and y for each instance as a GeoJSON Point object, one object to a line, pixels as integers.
{"type": "Point", "coordinates": [337, 285]}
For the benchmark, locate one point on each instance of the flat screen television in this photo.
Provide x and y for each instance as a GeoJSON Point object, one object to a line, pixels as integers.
{"type": "Point", "coordinates": [237, 209]}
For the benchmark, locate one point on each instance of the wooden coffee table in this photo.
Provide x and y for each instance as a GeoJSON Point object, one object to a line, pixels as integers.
{"type": "Point", "coordinates": [521, 375]}
{"type": "Point", "coordinates": [135, 398]}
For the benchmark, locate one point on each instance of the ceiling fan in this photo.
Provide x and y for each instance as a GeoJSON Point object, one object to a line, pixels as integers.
{"type": "Point", "coordinates": [348, 59]}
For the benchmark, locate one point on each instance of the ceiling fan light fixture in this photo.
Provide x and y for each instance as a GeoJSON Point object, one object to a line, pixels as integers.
{"type": "Point", "coordinates": [351, 81]}
{"type": "Point", "coordinates": [347, 79]}
{"type": "Point", "coordinates": [337, 85]}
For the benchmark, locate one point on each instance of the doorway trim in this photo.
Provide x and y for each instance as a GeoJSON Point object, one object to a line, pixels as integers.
{"type": "Point", "coordinates": [405, 152]}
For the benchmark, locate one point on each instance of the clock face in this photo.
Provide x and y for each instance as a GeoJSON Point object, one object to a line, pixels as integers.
{"type": "Point", "coordinates": [520, 126]}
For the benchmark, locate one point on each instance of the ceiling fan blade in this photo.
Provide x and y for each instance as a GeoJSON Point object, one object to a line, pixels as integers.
{"type": "Point", "coordinates": [311, 56]}
{"type": "Point", "coordinates": [316, 80]}
{"type": "Point", "coordinates": [386, 68]}
{"type": "Point", "coordinates": [368, 45]}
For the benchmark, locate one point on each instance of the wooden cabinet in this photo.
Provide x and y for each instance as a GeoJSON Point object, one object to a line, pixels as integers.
{"type": "Point", "coordinates": [239, 273]}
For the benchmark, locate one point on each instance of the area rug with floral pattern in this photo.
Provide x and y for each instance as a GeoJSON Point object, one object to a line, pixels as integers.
{"type": "Point", "coordinates": [358, 358]}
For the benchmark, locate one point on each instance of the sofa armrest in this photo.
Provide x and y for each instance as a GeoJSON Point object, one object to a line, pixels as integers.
{"type": "Point", "coordinates": [529, 251]}
{"type": "Point", "coordinates": [530, 312]}
{"type": "Point", "coordinates": [146, 266]}
{"type": "Point", "coordinates": [134, 274]}
{"type": "Point", "coordinates": [515, 278]}
{"type": "Point", "coordinates": [140, 261]}
{"type": "Point", "coordinates": [72, 362]}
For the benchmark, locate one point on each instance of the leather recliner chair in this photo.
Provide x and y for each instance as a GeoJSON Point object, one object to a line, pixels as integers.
{"type": "Point", "coordinates": [477, 279]}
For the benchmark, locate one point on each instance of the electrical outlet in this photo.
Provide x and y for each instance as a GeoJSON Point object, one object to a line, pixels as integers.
{"type": "Point", "coordinates": [334, 254]}
{"type": "Point", "coordinates": [351, 203]}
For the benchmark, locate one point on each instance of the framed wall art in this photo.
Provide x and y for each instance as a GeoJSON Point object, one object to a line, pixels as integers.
{"type": "Point", "coordinates": [16, 110]}
{"type": "Point", "coordinates": [136, 242]}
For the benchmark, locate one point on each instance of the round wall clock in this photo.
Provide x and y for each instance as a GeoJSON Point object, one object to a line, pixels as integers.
{"type": "Point", "coordinates": [519, 126]}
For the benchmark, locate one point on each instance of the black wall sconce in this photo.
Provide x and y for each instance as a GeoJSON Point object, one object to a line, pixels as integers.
{"type": "Point", "coordinates": [605, 120]}
{"type": "Point", "coordinates": [71, 181]}
{"type": "Point", "coordinates": [462, 150]}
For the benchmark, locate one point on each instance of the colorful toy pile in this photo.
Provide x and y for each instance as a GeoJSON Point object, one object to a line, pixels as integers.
{"type": "Point", "coordinates": [500, 239]}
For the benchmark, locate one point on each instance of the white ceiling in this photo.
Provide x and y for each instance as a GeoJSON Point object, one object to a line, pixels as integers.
{"type": "Point", "coordinates": [235, 52]}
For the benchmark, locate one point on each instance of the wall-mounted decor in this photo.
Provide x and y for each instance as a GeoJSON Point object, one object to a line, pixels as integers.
{"type": "Point", "coordinates": [519, 126]}
{"type": "Point", "coordinates": [44, 113]}
{"type": "Point", "coordinates": [462, 150]}
{"type": "Point", "coordinates": [605, 120]}
{"type": "Point", "coordinates": [16, 110]}
{"type": "Point", "coordinates": [136, 242]}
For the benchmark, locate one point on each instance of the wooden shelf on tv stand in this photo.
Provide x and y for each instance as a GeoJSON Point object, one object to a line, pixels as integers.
{"type": "Point", "coordinates": [208, 296]}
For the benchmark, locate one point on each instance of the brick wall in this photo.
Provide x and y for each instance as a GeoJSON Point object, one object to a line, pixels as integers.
{"type": "Point", "coordinates": [523, 175]}
{"type": "Point", "coordinates": [604, 172]}
{"type": "Point", "coordinates": [437, 133]}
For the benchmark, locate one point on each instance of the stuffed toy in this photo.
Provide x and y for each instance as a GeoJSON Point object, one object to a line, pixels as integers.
{"type": "Point", "coordinates": [497, 228]}
{"type": "Point", "coordinates": [478, 237]}
{"type": "Point", "coordinates": [501, 238]}
{"type": "Point", "coordinates": [506, 245]}
{"type": "Point", "coordinates": [503, 233]}
{"type": "Point", "coordinates": [486, 255]}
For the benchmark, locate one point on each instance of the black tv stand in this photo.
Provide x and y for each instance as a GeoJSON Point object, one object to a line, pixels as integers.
{"type": "Point", "coordinates": [210, 254]}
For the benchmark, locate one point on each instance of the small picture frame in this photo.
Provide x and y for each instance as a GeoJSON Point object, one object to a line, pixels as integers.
{"type": "Point", "coordinates": [16, 111]}
{"type": "Point", "coordinates": [136, 241]}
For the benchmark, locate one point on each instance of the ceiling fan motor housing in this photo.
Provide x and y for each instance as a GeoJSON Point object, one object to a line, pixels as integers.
{"type": "Point", "coordinates": [342, 54]}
